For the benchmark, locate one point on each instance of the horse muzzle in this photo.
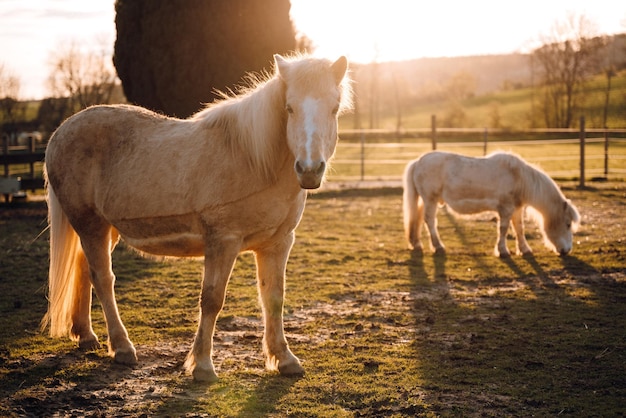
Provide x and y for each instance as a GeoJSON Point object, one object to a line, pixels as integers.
{"type": "Point", "coordinates": [310, 175]}
{"type": "Point", "coordinates": [564, 251]}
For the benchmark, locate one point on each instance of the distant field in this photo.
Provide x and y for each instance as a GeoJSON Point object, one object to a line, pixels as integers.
{"type": "Point", "coordinates": [516, 109]}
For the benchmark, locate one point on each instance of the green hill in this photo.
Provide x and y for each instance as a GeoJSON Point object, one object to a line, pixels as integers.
{"type": "Point", "coordinates": [468, 92]}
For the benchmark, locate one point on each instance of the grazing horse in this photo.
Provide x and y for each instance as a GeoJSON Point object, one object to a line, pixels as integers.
{"type": "Point", "coordinates": [229, 179]}
{"type": "Point", "coordinates": [501, 182]}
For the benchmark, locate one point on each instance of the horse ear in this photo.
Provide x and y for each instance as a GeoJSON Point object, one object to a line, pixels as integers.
{"type": "Point", "coordinates": [281, 64]}
{"type": "Point", "coordinates": [339, 69]}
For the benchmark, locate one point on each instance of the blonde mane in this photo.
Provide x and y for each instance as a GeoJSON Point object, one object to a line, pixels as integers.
{"type": "Point", "coordinates": [539, 190]}
{"type": "Point", "coordinates": [246, 127]}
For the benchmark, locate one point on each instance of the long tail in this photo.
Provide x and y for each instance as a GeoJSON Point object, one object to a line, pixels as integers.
{"type": "Point", "coordinates": [65, 255]}
{"type": "Point", "coordinates": [413, 208]}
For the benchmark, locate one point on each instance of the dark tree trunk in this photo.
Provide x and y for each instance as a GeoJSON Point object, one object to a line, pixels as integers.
{"type": "Point", "coordinates": [172, 54]}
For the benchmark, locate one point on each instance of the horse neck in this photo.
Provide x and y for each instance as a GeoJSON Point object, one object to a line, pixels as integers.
{"type": "Point", "coordinates": [255, 127]}
{"type": "Point", "coordinates": [541, 192]}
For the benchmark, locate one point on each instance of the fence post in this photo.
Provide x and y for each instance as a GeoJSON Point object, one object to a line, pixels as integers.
{"type": "Point", "coordinates": [606, 152]}
{"type": "Point", "coordinates": [433, 130]}
{"type": "Point", "coordinates": [485, 142]}
{"type": "Point", "coordinates": [5, 154]}
{"type": "Point", "coordinates": [582, 152]}
{"type": "Point", "coordinates": [362, 155]}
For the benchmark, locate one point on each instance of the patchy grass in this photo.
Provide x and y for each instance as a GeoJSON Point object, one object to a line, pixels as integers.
{"type": "Point", "coordinates": [380, 331]}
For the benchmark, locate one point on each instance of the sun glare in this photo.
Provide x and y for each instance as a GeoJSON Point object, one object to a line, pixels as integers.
{"type": "Point", "coordinates": [369, 30]}
{"type": "Point", "coordinates": [391, 30]}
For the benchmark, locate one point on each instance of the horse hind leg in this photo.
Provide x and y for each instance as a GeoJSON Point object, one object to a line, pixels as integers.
{"type": "Point", "coordinates": [81, 308]}
{"type": "Point", "coordinates": [504, 219]}
{"type": "Point", "coordinates": [518, 225]}
{"type": "Point", "coordinates": [430, 217]}
{"type": "Point", "coordinates": [98, 243]}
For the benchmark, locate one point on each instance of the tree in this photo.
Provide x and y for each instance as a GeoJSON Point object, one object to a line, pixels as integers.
{"type": "Point", "coordinates": [85, 78]}
{"type": "Point", "coordinates": [9, 94]}
{"type": "Point", "coordinates": [565, 60]}
{"type": "Point", "coordinates": [11, 109]}
{"type": "Point", "coordinates": [172, 55]}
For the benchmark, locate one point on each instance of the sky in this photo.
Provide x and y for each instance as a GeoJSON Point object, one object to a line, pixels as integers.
{"type": "Point", "coordinates": [363, 30]}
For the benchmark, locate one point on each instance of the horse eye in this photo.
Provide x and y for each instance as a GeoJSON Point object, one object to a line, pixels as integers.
{"type": "Point", "coordinates": [335, 110]}
{"type": "Point", "coordinates": [569, 225]}
{"type": "Point", "coordinates": [289, 109]}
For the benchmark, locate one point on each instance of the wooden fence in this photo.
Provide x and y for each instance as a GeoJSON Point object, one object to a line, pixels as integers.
{"type": "Point", "coordinates": [364, 155]}
{"type": "Point", "coordinates": [578, 154]}
{"type": "Point", "coordinates": [25, 162]}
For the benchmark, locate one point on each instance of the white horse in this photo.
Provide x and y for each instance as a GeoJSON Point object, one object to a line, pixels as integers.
{"type": "Point", "coordinates": [501, 182]}
{"type": "Point", "coordinates": [231, 178]}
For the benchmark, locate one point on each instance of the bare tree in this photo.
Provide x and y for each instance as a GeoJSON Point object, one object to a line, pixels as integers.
{"type": "Point", "coordinates": [568, 56]}
{"type": "Point", "coordinates": [9, 95]}
{"type": "Point", "coordinates": [460, 87]}
{"type": "Point", "coordinates": [86, 78]}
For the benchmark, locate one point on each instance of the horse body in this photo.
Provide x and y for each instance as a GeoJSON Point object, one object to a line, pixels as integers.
{"type": "Point", "coordinates": [165, 207]}
{"type": "Point", "coordinates": [232, 178]}
{"type": "Point", "coordinates": [501, 182]}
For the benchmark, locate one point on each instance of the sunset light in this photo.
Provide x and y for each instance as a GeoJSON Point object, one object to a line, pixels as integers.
{"type": "Point", "coordinates": [362, 30]}
{"type": "Point", "coordinates": [370, 30]}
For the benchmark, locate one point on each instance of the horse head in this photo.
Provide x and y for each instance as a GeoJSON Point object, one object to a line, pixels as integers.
{"type": "Point", "coordinates": [315, 93]}
{"type": "Point", "coordinates": [559, 229]}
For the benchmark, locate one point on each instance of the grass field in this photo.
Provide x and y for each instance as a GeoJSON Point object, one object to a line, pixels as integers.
{"type": "Point", "coordinates": [380, 331]}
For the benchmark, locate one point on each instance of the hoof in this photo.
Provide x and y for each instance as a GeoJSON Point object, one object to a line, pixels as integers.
{"type": "Point", "coordinates": [89, 345]}
{"type": "Point", "coordinates": [292, 369]}
{"type": "Point", "coordinates": [417, 250]}
{"type": "Point", "coordinates": [505, 256]}
{"type": "Point", "coordinates": [128, 358]}
{"type": "Point", "coordinates": [440, 251]}
{"type": "Point", "coordinates": [204, 376]}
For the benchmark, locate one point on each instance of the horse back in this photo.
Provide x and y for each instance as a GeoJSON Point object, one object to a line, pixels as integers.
{"type": "Point", "coordinates": [467, 184]}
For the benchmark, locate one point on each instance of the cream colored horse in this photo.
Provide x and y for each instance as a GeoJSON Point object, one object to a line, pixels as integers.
{"type": "Point", "coordinates": [229, 179]}
{"type": "Point", "coordinates": [501, 182]}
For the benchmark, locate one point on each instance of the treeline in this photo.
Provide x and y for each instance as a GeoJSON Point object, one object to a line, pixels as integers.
{"type": "Point", "coordinates": [558, 74]}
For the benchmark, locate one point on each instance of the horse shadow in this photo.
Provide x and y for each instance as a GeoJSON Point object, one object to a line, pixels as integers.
{"type": "Point", "coordinates": [59, 397]}
{"type": "Point", "coordinates": [191, 395]}
{"type": "Point", "coordinates": [111, 384]}
{"type": "Point", "coordinates": [420, 276]}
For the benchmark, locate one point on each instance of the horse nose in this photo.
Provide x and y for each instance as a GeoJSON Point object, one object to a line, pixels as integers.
{"type": "Point", "coordinates": [310, 175]}
{"type": "Point", "coordinates": [314, 168]}
{"type": "Point", "coordinates": [564, 251]}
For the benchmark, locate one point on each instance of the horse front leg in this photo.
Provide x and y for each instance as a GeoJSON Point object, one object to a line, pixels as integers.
{"type": "Point", "coordinates": [218, 265]}
{"type": "Point", "coordinates": [271, 267]}
{"type": "Point", "coordinates": [518, 225]}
